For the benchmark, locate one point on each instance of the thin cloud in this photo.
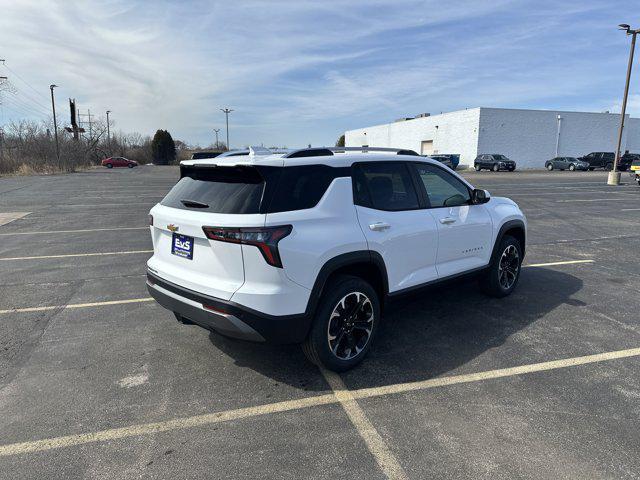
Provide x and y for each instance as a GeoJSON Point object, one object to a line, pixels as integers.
{"type": "Point", "coordinates": [300, 72]}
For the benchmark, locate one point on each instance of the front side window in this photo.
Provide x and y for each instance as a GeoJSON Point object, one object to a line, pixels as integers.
{"type": "Point", "coordinates": [384, 186]}
{"type": "Point", "coordinates": [442, 188]}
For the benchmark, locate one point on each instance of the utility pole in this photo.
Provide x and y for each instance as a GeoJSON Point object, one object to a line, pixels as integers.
{"type": "Point", "coordinates": [614, 175]}
{"type": "Point", "coordinates": [55, 123]}
{"type": "Point", "coordinates": [108, 133]}
{"type": "Point", "coordinates": [227, 111]}
{"type": "Point", "coordinates": [217, 144]}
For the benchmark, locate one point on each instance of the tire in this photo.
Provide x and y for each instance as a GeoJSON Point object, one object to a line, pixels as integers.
{"type": "Point", "coordinates": [495, 167]}
{"type": "Point", "coordinates": [477, 167]}
{"type": "Point", "coordinates": [493, 282]}
{"type": "Point", "coordinates": [182, 319]}
{"type": "Point", "coordinates": [109, 165]}
{"type": "Point", "coordinates": [591, 169]}
{"type": "Point", "coordinates": [550, 167]}
{"type": "Point", "coordinates": [608, 167]}
{"type": "Point", "coordinates": [338, 356]}
{"type": "Point", "coordinates": [572, 168]}
{"type": "Point", "coordinates": [130, 165]}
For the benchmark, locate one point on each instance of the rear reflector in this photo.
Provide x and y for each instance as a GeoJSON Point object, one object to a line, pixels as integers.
{"type": "Point", "coordinates": [214, 309]}
{"type": "Point", "coordinates": [265, 238]}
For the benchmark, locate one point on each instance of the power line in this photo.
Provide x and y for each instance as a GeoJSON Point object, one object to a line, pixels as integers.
{"type": "Point", "coordinates": [4, 62]}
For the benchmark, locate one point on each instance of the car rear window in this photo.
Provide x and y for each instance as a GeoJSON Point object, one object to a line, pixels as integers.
{"type": "Point", "coordinates": [251, 189]}
{"type": "Point", "coordinates": [218, 190]}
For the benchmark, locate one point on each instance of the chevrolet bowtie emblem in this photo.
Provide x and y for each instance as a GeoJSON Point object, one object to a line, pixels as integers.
{"type": "Point", "coordinates": [172, 227]}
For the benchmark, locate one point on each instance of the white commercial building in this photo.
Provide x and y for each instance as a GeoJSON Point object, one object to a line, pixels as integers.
{"type": "Point", "coordinates": [527, 136]}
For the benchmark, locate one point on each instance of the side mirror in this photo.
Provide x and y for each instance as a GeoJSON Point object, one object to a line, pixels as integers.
{"type": "Point", "coordinates": [478, 197]}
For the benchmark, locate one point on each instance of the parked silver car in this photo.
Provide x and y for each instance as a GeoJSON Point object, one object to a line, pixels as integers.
{"type": "Point", "coordinates": [566, 163]}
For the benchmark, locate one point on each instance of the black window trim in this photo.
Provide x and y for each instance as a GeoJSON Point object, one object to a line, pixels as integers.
{"type": "Point", "coordinates": [419, 196]}
{"type": "Point", "coordinates": [423, 189]}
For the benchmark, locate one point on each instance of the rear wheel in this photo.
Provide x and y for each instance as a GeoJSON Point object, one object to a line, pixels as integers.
{"type": "Point", "coordinates": [608, 167]}
{"type": "Point", "coordinates": [130, 165]}
{"type": "Point", "coordinates": [344, 325]}
{"type": "Point", "coordinates": [550, 167]}
{"type": "Point", "coordinates": [496, 167]}
{"type": "Point", "coordinates": [591, 169]}
{"type": "Point", "coordinates": [503, 273]}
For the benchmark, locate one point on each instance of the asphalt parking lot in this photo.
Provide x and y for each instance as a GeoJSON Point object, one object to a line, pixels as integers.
{"type": "Point", "coordinates": [96, 381]}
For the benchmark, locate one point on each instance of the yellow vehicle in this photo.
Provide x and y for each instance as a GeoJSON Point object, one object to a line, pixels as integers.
{"type": "Point", "coordinates": [634, 170]}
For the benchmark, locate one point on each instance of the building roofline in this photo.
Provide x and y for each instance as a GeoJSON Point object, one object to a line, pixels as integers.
{"type": "Point", "coordinates": [489, 108]}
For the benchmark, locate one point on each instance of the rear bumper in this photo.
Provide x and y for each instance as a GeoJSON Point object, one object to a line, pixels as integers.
{"type": "Point", "coordinates": [226, 317]}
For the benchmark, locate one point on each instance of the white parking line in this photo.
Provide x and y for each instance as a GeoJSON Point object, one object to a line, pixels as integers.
{"type": "Point", "coordinates": [289, 405]}
{"type": "Point", "coordinates": [44, 232]}
{"type": "Point", "coordinates": [593, 200]}
{"type": "Point", "coordinates": [630, 209]}
{"type": "Point", "coordinates": [550, 264]}
{"type": "Point", "coordinates": [76, 305]}
{"type": "Point", "coordinates": [40, 257]}
{"type": "Point", "coordinates": [375, 443]}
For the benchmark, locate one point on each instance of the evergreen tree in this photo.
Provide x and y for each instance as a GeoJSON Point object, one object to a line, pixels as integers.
{"type": "Point", "coordinates": [163, 148]}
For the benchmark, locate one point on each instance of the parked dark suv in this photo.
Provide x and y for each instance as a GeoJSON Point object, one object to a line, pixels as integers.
{"type": "Point", "coordinates": [493, 161]}
{"type": "Point", "coordinates": [605, 160]}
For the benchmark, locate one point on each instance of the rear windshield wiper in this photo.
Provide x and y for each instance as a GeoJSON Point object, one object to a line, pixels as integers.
{"type": "Point", "coordinates": [193, 204]}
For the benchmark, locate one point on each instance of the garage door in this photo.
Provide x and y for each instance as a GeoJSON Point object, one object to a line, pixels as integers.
{"type": "Point", "coordinates": [426, 148]}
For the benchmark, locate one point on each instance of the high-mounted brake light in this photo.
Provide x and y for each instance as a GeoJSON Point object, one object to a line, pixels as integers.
{"type": "Point", "coordinates": [265, 238]}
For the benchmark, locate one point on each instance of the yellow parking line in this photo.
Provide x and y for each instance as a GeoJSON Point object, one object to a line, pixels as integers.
{"type": "Point", "coordinates": [289, 405]}
{"type": "Point", "coordinates": [76, 305]}
{"type": "Point", "coordinates": [550, 264]}
{"type": "Point", "coordinates": [44, 232]}
{"type": "Point", "coordinates": [39, 257]}
{"type": "Point", "coordinates": [387, 462]}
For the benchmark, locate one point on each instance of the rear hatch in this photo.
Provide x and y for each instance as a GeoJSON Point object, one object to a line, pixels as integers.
{"type": "Point", "coordinates": [228, 196]}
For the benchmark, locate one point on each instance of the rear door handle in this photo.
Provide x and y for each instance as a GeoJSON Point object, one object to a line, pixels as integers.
{"type": "Point", "coordinates": [447, 220]}
{"type": "Point", "coordinates": [379, 226]}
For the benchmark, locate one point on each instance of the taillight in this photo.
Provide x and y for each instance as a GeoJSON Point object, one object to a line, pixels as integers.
{"type": "Point", "coordinates": [151, 220]}
{"type": "Point", "coordinates": [265, 238]}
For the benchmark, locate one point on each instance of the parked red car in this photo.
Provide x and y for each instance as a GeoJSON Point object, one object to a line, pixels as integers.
{"type": "Point", "coordinates": [118, 162]}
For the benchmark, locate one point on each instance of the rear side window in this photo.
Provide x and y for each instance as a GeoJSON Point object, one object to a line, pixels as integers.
{"type": "Point", "coordinates": [218, 190]}
{"type": "Point", "coordinates": [384, 186]}
{"type": "Point", "coordinates": [302, 186]}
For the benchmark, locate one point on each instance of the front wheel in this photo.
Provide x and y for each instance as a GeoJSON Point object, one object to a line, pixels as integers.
{"type": "Point", "coordinates": [502, 275]}
{"type": "Point", "coordinates": [477, 167]}
{"type": "Point", "coordinates": [344, 325]}
{"type": "Point", "coordinates": [572, 167]}
{"type": "Point", "coordinates": [130, 165]}
{"type": "Point", "coordinates": [608, 167]}
{"type": "Point", "coordinates": [496, 167]}
{"type": "Point", "coordinates": [550, 167]}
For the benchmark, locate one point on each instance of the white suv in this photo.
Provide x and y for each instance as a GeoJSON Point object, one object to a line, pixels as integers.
{"type": "Point", "coordinates": [308, 246]}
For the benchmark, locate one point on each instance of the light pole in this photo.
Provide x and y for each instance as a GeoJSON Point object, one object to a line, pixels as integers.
{"type": "Point", "coordinates": [55, 123]}
{"type": "Point", "coordinates": [108, 133]}
{"type": "Point", "coordinates": [217, 130]}
{"type": "Point", "coordinates": [227, 111]}
{"type": "Point", "coordinates": [614, 175]}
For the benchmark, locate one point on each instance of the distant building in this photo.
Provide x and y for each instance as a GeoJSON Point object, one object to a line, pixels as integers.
{"type": "Point", "coordinates": [527, 136]}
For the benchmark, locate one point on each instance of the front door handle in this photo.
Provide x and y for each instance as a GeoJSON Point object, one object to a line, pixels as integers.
{"type": "Point", "coordinates": [447, 220]}
{"type": "Point", "coordinates": [379, 226]}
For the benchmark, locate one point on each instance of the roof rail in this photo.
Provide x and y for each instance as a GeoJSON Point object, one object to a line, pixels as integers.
{"type": "Point", "coordinates": [327, 151]}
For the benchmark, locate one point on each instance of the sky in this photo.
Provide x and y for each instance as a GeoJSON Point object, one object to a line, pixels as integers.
{"type": "Point", "coordinates": [302, 72]}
